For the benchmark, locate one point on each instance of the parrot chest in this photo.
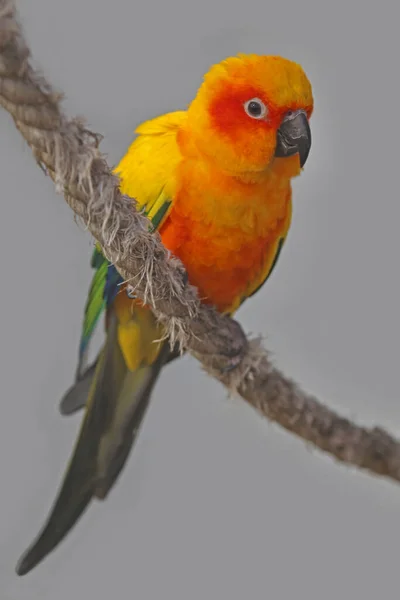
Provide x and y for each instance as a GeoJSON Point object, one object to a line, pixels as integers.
{"type": "Point", "coordinates": [229, 242]}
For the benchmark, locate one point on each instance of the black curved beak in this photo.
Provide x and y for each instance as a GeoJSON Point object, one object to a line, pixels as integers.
{"type": "Point", "coordinates": [294, 136]}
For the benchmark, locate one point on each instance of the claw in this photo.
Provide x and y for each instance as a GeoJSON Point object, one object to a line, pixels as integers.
{"type": "Point", "coordinates": [233, 363]}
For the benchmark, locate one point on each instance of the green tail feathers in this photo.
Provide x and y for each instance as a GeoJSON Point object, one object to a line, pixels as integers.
{"type": "Point", "coordinates": [116, 401]}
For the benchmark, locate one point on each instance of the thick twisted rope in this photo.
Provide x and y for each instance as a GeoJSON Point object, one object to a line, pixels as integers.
{"type": "Point", "coordinates": [70, 154]}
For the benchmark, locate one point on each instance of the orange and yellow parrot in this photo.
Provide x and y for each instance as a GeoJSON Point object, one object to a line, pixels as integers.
{"type": "Point", "coordinates": [215, 181]}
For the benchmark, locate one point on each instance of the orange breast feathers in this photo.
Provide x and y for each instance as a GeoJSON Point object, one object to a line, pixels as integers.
{"type": "Point", "coordinates": [226, 231]}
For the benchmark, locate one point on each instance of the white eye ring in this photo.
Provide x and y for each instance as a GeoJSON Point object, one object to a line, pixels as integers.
{"type": "Point", "coordinates": [255, 108]}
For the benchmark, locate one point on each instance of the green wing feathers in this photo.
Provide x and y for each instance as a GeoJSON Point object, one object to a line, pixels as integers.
{"type": "Point", "coordinates": [95, 305]}
{"type": "Point", "coordinates": [106, 280]}
{"type": "Point", "coordinates": [158, 210]}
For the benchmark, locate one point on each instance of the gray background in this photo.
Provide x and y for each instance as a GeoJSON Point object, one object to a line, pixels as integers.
{"type": "Point", "coordinates": [215, 502]}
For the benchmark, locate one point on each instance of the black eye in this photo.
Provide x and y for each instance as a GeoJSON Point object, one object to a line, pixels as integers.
{"type": "Point", "coordinates": [255, 108]}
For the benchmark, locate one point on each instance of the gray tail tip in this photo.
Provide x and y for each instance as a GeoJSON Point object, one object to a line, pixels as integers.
{"type": "Point", "coordinates": [24, 565]}
{"type": "Point", "coordinates": [29, 560]}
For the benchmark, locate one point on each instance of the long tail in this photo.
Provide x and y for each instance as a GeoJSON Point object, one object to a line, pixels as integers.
{"type": "Point", "coordinates": [116, 404]}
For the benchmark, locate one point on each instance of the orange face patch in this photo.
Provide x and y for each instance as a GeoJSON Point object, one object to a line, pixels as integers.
{"type": "Point", "coordinates": [227, 113]}
{"type": "Point", "coordinates": [219, 122]}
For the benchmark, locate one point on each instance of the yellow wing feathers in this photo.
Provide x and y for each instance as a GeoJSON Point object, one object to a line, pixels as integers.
{"type": "Point", "coordinates": [167, 123]}
{"type": "Point", "coordinates": [147, 171]}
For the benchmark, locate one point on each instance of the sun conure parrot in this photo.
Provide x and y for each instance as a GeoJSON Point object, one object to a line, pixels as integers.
{"type": "Point", "coordinates": [215, 181]}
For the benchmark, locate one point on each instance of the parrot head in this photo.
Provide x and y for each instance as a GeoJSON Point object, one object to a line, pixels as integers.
{"type": "Point", "coordinates": [251, 110]}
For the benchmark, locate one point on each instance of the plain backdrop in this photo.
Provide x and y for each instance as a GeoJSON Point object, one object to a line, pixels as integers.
{"type": "Point", "coordinates": [215, 502]}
